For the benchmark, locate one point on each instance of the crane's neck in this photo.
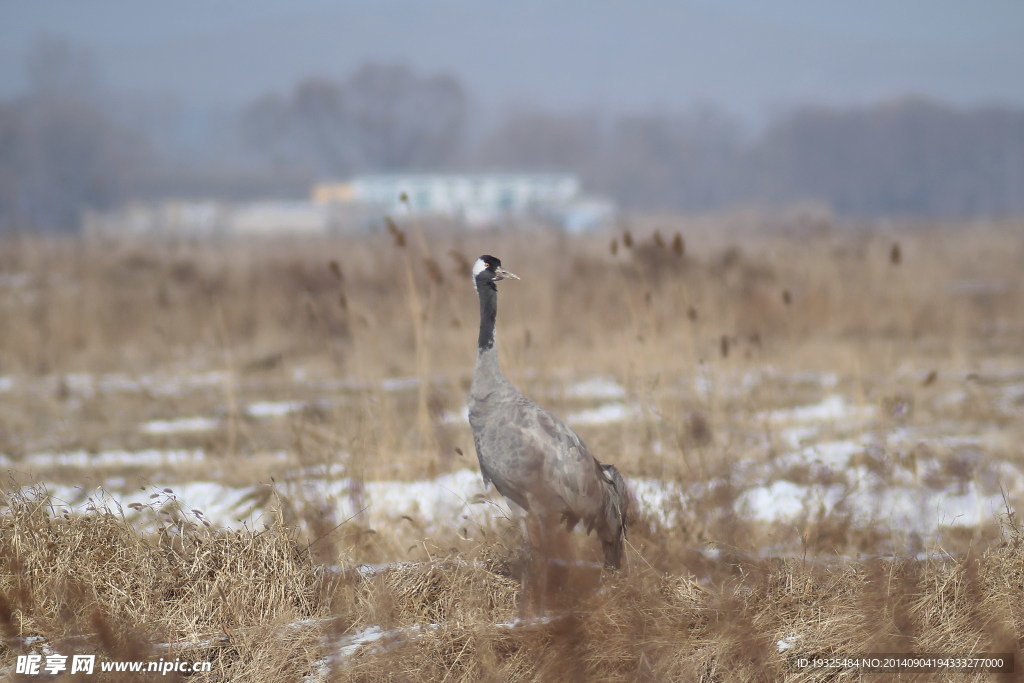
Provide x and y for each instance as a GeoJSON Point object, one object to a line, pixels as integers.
{"type": "Point", "coordinates": [487, 374]}
{"type": "Point", "coordinates": [488, 294]}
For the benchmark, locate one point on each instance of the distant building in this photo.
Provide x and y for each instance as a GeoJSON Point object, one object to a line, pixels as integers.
{"type": "Point", "coordinates": [183, 218]}
{"type": "Point", "coordinates": [471, 199]}
{"type": "Point", "coordinates": [269, 218]}
{"type": "Point", "coordinates": [475, 199]}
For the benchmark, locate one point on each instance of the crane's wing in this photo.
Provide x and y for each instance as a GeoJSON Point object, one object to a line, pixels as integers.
{"type": "Point", "coordinates": [480, 459]}
{"type": "Point", "coordinates": [539, 463]}
{"type": "Point", "coordinates": [570, 470]}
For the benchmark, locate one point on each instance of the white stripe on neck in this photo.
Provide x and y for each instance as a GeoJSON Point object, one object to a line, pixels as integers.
{"type": "Point", "coordinates": [479, 267]}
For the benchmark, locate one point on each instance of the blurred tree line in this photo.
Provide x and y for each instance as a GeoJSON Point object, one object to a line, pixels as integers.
{"type": "Point", "coordinates": [60, 150]}
{"type": "Point", "coordinates": [908, 157]}
{"type": "Point", "coordinates": [63, 147]}
{"type": "Point", "coordinates": [382, 117]}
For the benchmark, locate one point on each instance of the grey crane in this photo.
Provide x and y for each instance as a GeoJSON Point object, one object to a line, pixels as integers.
{"type": "Point", "coordinates": [531, 457]}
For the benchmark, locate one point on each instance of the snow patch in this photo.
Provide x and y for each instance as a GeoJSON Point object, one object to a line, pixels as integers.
{"type": "Point", "coordinates": [787, 643]}
{"type": "Point", "coordinates": [85, 384]}
{"type": "Point", "coordinates": [459, 418]}
{"type": "Point", "coordinates": [596, 388]}
{"type": "Point", "coordinates": [661, 499]}
{"type": "Point", "coordinates": [903, 508]}
{"type": "Point", "coordinates": [830, 454]}
{"type": "Point", "coordinates": [178, 425]}
{"type": "Point", "coordinates": [831, 409]}
{"type": "Point", "coordinates": [456, 500]}
{"type": "Point", "coordinates": [83, 459]}
{"type": "Point", "coordinates": [399, 383]}
{"type": "Point", "coordinates": [604, 414]}
{"type": "Point", "coordinates": [274, 408]}
{"type": "Point", "coordinates": [797, 436]}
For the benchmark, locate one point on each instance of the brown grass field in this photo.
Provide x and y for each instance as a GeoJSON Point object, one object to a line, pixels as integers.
{"type": "Point", "coordinates": [254, 453]}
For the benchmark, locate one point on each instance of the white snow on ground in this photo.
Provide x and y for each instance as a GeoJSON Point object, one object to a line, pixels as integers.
{"type": "Point", "coordinates": [179, 425]}
{"type": "Point", "coordinates": [456, 500]}
{"type": "Point", "coordinates": [145, 458]}
{"type": "Point", "coordinates": [784, 501]}
{"type": "Point", "coordinates": [660, 499]}
{"type": "Point", "coordinates": [399, 383]}
{"type": "Point", "coordinates": [174, 385]}
{"type": "Point", "coordinates": [756, 377]}
{"type": "Point", "coordinates": [1011, 402]}
{"type": "Point", "coordinates": [80, 383]}
{"type": "Point", "coordinates": [370, 570]}
{"type": "Point", "coordinates": [274, 408]}
{"type": "Point", "coordinates": [703, 384]}
{"type": "Point", "coordinates": [375, 637]}
{"type": "Point", "coordinates": [787, 643]}
{"type": "Point", "coordinates": [912, 478]}
{"type": "Point", "coordinates": [829, 455]}
{"type": "Point", "coordinates": [221, 505]}
{"type": "Point", "coordinates": [384, 640]}
{"type": "Point", "coordinates": [798, 435]}
{"type": "Point", "coordinates": [459, 418]}
{"type": "Point", "coordinates": [908, 494]}
{"type": "Point", "coordinates": [831, 409]}
{"type": "Point", "coordinates": [453, 500]}
{"type": "Point", "coordinates": [151, 457]}
{"type": "Point", "coordinates": [902, 508]}
{"type": "Point", "coordinates": [604, 414]}
{"type": "Point", "coordinates": [601, 388]}
{"type": "Point", "coordinates": [349, 645]}
{"type": "Point", "coordinates": [949, 481]}
{"type": "Point", "coordinates": [85, 384]}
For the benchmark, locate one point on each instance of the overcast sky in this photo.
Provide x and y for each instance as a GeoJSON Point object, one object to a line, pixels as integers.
{"type": "Point", "coordinates": [753, 58]}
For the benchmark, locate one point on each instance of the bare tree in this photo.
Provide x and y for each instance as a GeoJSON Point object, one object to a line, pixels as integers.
{"type": "Point", "coordinates": [538, 139]}
{"type": "Point", "coordinates": [381, 118]}
{"type": "Point", "coordinates": [265, 124]}
{"type": "Point", "coordinates": [905, 157]}
{"type": "Point", "coordinates": [403, 120]}
{"type": "Point", "coordinates": [59, 152]}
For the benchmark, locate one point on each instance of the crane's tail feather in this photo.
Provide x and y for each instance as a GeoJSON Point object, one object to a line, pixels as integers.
{"type": "Point", "coordinates": [617, 504]}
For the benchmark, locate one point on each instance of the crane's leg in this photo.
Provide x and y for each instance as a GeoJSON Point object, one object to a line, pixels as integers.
{"type": "Point", "coordinates": [545, 554]}
{"type": "Point", "coordinates": [532, 598]}
{"type": "Point", "coordinates": [527, 576]}
{"type": "Point", "coordinates": [551, 563]}
{"type": "Point", "coordinates": [546, 577]}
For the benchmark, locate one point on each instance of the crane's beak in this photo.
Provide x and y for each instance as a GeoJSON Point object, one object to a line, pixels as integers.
{"type": "Point", "coordinates": [501, 274]}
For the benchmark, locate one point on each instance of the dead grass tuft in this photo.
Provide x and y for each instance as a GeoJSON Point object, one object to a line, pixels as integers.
{"type": "Point", "coordinates": [92, 583]}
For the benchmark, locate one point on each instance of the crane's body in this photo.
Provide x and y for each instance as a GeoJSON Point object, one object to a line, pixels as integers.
{"type": "Point", "coordinates": [532, 457]}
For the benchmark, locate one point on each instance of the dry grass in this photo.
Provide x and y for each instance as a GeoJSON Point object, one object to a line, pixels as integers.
{"type": "Point", "coordinates": [923, 334]}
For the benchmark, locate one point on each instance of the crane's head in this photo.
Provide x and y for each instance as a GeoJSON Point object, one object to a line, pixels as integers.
{"type": "Point", "coordinates": [488, 270]}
